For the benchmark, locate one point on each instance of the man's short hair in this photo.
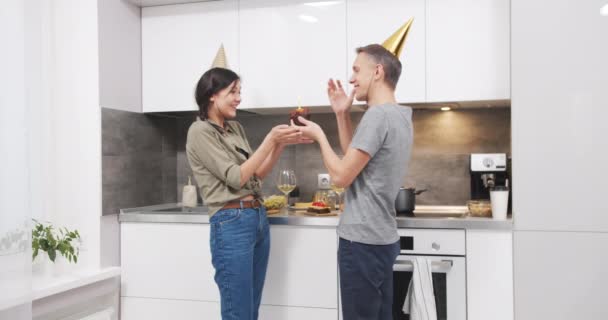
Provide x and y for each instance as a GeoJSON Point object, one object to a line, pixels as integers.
{"type": "Point", "coordinates": [390, 63]}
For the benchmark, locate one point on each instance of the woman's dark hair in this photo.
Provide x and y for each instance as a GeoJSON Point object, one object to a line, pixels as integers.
{"type": "Point", "coordinates": [210, 83]}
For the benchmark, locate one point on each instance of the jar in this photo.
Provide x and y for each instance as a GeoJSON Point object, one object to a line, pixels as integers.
{"type": "Point", "coordinates": [326, 196]}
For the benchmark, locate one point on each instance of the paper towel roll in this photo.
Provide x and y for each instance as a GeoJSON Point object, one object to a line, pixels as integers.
{"type": "Point", "coordinates": [189, 195]}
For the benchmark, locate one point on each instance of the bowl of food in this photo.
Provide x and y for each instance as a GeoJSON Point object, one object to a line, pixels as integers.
{"type": "Point", "coordinates": [479, 208]}
{"type": "Point", "coordinates": [274, 204]}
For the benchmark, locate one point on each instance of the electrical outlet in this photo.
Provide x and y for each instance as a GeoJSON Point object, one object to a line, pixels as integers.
{"type": "Point", "coordinates": [323, 181]}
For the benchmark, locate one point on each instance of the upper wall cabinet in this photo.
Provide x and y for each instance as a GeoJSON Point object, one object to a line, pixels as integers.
{"type": "Point", "coordinates": [152, 3]}
{"type": "Point", "coordinates": [289, 49]}
{"type": "Point", "coordinates": [179, 43]}
{"type": "Point", "coordinates": [374, 21]}
{"type": "Point", "coordinates": [467, 50]}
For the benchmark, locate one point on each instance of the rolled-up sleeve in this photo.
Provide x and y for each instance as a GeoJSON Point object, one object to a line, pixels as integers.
{"type": "Point", "coordinates": [214, 157]}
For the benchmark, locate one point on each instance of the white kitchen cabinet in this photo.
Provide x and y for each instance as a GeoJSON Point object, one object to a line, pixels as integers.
{"type": "Point", "coordinates": [467, 50]}
{"type": "Point", "coordinates": [133, 308]}
{"type": "Point", "coordinates": [179, 43]}
{"type": "Point", "coordinates": [167, 270]}
{"type": "Point", "coordinates": [489, 275]}
{"type": "Point", "coordinates": [303, 267]}
{"type": "Point", "coordinates": [561, 86]}
{"type": "Point", "coordinates": [167, 261]}
{"type": "Point", "coordinates": [289, 49]}
{"type": "Point", "coordinates": [374, 21]}
{"type": "Point", "coordinates": [560, 275]}
{"type": "Point", "coordinates": [296, 313]}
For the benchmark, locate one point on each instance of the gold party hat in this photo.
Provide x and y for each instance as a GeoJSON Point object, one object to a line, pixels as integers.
{"type": "Point", "coordinates": [220, 60]}
{"type": "Point", "coordinates": [395, 43]}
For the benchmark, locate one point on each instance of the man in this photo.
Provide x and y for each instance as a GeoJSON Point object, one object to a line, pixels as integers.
{"type": "Point", "coordinates": [372, 169]}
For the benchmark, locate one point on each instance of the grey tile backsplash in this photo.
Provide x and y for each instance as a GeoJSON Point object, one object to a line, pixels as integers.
{"type": "Point", "coordinates": [145, 163]}
{"type": "Point", "coordinates": [138, 160]}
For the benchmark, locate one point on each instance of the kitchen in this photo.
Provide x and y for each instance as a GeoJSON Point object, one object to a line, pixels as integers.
{"type": "Point", "coordinates": [134, 65]}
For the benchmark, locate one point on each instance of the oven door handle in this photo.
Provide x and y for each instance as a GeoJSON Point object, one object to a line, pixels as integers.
{"type": "Point", "coordinates": [443, 266]}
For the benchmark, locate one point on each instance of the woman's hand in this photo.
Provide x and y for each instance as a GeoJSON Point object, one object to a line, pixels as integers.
{"type": "Point", "coordinates": [338, 99]}
{"type": "Point", "coordinates": [285, 135]}
{"type": "Point", "coordinates": [309, 129]}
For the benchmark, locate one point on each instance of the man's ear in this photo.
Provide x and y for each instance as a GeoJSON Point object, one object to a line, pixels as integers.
{"type": "Point", "coordinates": [379, 72]}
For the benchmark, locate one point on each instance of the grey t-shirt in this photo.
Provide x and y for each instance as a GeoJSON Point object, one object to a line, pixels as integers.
{"type": "Point", "coordinates": [385, 133]}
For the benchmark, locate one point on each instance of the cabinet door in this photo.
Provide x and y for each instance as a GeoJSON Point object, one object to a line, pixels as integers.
{"type": "Point", "coordinates": [374, 21]}
{"type": "Point", "coordinates": [560, 85]}
{"type": "Point", "coordinates": [489, 275]}
{"type": "Point", "coordinates": [132, 308]}
{"type": "Point", "coordinates": [468, 50]}
{"type": "Point", "coordinates": [289, 49]}
{"type": "Point", "coordinates": [296, 313]}
{"type": "Point", "coordinates": [179, 43]}
{"type": "Point", "coordinates": [303, 267]}
{"type": "Point", "coordinates": [167, 261]}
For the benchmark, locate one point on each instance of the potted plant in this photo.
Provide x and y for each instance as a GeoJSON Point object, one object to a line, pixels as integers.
{"type": "Point", "coordinates": [52, 241]}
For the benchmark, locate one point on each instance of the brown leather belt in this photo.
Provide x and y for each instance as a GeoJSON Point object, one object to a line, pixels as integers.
{"type": "Point", "coordinates": [242, 204]}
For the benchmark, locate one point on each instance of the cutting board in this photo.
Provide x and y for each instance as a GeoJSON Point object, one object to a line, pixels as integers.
{"type": "Point", "coordinates": [313, 214]}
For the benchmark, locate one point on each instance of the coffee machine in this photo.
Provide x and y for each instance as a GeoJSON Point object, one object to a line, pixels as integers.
{"type": "Point", "coordinates": [488, 170]}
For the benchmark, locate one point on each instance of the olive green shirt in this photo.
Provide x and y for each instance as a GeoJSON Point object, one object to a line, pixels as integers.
{"type": "Point", "coordinates": [215, 155]}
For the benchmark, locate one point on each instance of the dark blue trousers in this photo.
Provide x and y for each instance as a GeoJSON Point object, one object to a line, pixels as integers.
{"type": "Point", "coordinates": [366, 279]}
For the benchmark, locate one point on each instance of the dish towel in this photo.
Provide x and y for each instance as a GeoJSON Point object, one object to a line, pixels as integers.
{"type": "Point", "coordinates": [420, 300]}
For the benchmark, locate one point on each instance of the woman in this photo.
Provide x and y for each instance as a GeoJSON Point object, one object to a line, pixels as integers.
{"type": "Point", "coordinates": [228, 174]}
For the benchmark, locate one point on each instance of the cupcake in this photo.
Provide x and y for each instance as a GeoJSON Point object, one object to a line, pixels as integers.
{"type": "Point", "coordinates": [299, 112]}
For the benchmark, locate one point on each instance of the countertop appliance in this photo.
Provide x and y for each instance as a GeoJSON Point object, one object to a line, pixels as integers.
{"type": "Point", "coordinates": [487, 170]}
{"type": "Point", "coordinates": [446, 249]}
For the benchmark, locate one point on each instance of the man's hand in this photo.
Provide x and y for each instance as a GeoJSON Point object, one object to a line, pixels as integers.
{"type": "Point", "coordinates": [309, 129]}
{"type": "Point", "coordinates": [338, 99]}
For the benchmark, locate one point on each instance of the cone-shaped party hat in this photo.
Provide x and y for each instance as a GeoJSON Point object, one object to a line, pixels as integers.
{"type": "Point", "coordinates": [220, 60]}
{"type": "Point", "coordinates": [395, 43]}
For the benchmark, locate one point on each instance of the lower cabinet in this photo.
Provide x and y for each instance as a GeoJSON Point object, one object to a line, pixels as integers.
{"type": "Point", "coordinates": [167, 273]}
{"type": "Point", "coordinates": [163, 309]}
{"type": "Point", "coordinates": [489, 275]}
{"type": "Point", "coordinates": [167, 261]}
{"type": "Point", "coordinates": [132, 308]}
{"type": "Point", "coordinates": [303, 267]}
{"type": "Point", "coordinates": [296, 313]}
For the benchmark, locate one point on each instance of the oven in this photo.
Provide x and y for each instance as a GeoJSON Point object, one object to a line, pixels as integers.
{"type": "Point", "coordinates": [446, 251]}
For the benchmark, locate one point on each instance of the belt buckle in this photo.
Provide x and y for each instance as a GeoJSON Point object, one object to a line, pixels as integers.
{"type": "Point", "coordinates": [255, 203]}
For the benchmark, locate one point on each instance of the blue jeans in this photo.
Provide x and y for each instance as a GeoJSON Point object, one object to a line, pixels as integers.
{"type": "Point", "coordinates": [240, 245]}
{"type": "Point", "coordinates": [366, 279]}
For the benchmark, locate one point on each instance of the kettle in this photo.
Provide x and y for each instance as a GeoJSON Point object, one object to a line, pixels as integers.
{"type": "Point", "coordinates": [406, 201]}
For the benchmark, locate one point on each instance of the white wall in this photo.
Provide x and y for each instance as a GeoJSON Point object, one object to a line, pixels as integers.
{"type": "Point", "coordinates": [120, 55]}
{"type": "Point", "coordinates": [559, 107]}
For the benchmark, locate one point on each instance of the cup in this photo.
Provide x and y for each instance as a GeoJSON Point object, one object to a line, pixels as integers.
{"type": "Point", "coordinates": [499, 198]}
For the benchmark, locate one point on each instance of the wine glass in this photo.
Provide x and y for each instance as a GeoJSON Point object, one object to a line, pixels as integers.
{"type": "Point", "coordinates": [339, 191]}
{"type": "Point", "coordinates": [286, 182]}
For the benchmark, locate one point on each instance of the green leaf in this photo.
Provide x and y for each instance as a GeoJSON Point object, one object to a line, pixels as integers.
{"type": "Point", "coordinates": [44, 244]}
{"type": "Point", "coordinates": [52, 255]}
